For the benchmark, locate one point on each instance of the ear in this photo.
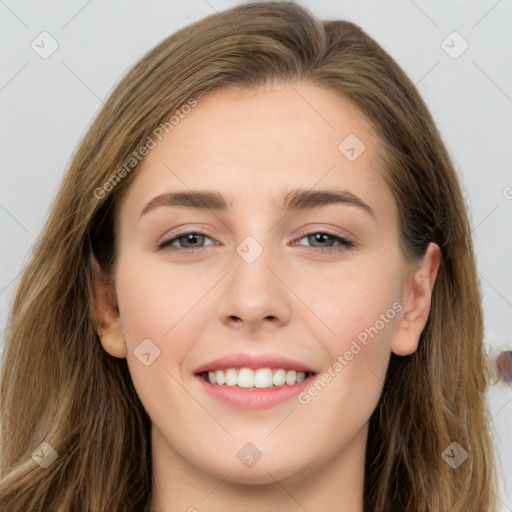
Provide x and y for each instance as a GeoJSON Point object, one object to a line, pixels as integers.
{"type": "Point", "coordinates": [106, 312]}
{"type": "Point", "coordinates": [416, 301]}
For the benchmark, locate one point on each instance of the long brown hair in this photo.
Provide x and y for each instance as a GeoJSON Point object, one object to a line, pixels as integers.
{"type": "Point", "coordinates": [61, 388]}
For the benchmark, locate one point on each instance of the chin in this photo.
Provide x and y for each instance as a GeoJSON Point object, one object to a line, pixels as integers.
{"type": "Point", "coordinates": [261, 473]}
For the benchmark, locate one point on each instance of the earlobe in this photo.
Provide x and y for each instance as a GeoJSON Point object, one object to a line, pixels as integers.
{"type": "Point", "coordinates": [114, 344]}
{"type": "Point", "coordinates": [416, 301]}
{"type": "Point", "coordinates": [106, 312]}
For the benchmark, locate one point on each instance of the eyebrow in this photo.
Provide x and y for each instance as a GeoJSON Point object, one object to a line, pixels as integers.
{"type": "Point", "coordinates": [298, 199]}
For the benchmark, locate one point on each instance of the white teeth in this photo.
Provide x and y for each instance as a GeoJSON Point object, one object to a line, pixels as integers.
{"type": "Point", "coordinates": [231, 377]}
{"type": "Point", "coordinates": [220, 378]}
{"type": "Point", "coordinates": [291, 376]}
{"type": "Point", "coordinates": [279, 378]}
{"type": "Point", "coordinates": [263, 378]}
{"type": "Point", "coordinates": [245, 378]}
{"type": "Point", "coordinates": [260, 378]}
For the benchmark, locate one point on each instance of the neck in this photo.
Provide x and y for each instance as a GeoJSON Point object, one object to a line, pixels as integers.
{"type": "Point", "coordinates": [180, 486]}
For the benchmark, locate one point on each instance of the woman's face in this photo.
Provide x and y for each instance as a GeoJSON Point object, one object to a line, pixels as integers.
{"type": "Point", "coordinates": [271, 280]}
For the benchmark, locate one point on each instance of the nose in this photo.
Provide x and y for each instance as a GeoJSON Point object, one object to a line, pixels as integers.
{"type": "Point", "coordinates": [255, 293]}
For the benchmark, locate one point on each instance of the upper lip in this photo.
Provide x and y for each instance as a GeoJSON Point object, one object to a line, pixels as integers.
{"type": "Point", "coordinates": [253, 361]}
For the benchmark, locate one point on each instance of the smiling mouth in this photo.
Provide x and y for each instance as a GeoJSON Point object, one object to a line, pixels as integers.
{"type": "Point", "coordinates": [261, 378]}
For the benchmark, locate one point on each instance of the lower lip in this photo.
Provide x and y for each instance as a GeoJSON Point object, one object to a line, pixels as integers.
{"type": "Point", "coordinates": [255, 398]}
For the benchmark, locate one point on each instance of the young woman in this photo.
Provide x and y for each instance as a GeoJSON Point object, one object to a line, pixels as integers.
{"type": "Point", "coordinates": [256, 290]}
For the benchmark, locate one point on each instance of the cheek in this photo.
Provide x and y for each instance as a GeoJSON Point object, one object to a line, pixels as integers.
{"type": "Point", "coordinates": [163, 313]}
{"type": "Point", "coordinates": [358, 300]}
{"type": "Point", "coordinates": [346, 392]}
{"type": "Point", "coordinates": [157, 301]}
{"type": "Point", "coordinates": [360, 308]}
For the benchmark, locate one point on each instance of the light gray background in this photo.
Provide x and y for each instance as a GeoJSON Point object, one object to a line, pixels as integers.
{"type": "Point", "coordinates": [47, 104]}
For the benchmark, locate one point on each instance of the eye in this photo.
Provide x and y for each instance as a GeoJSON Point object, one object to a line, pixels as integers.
{"type": "Point", "coordinates": [193, 240]}
{"type": "Point", "coordinates": [190, 239]}
{"type": "Point", "coordinates": [321, 237]}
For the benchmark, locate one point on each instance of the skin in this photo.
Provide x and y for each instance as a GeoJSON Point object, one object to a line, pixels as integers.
{"type": "Point", "coordinates": [292, 300]}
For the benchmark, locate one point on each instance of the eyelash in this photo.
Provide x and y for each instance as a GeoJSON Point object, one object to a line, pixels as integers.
{"type": "Point", "coordinates": [343, 243]}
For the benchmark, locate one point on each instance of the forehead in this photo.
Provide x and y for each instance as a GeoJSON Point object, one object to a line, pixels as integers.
{"type": "Point", "coordinates": [252, 146]}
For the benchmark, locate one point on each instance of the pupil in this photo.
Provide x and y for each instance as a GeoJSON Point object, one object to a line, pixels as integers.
{"type": "Point", "coordinates": [191, 236]}
{"type": "Point", "coordinates": [319, 236]}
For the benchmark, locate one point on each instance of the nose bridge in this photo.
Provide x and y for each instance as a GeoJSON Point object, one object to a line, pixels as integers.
{"type": "Point", "coordinates": [253, 292]}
